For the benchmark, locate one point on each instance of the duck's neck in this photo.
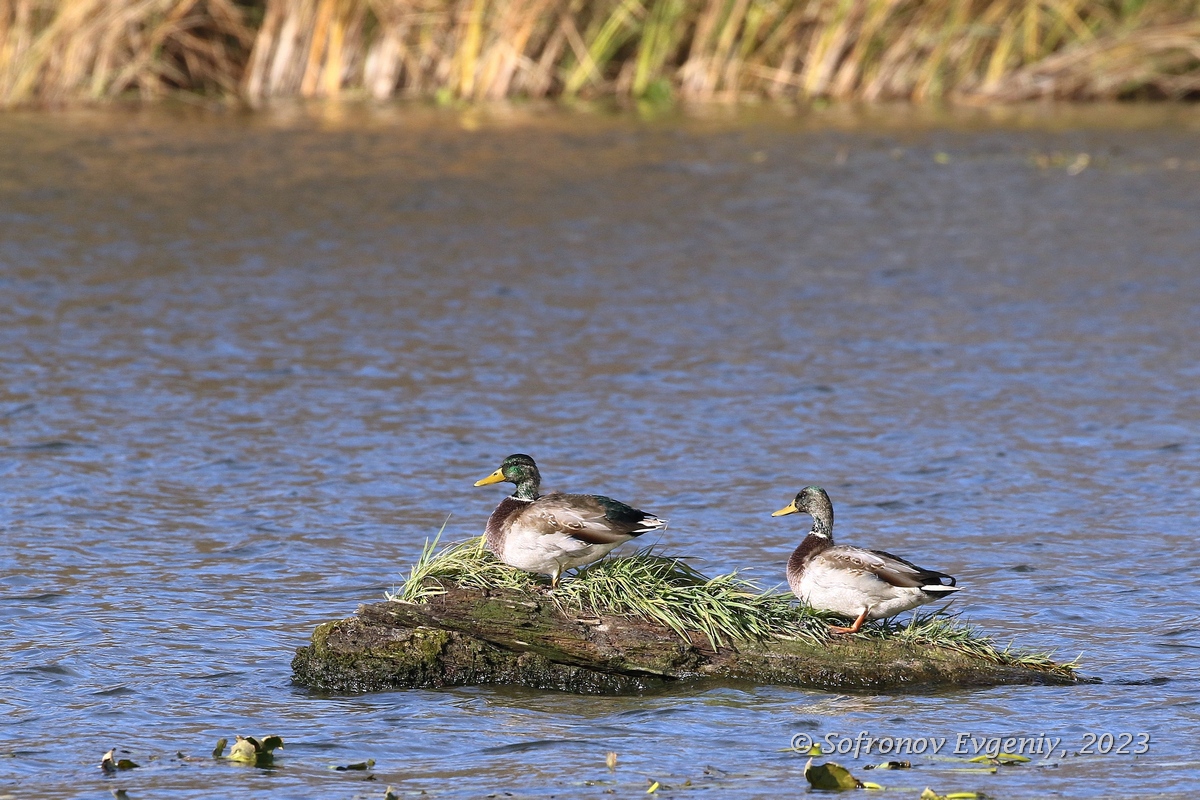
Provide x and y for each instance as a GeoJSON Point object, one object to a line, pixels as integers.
{"type": "Point", "coordinates": [527, 489]}
{"type": "Point", "coordinates": [822, 523]}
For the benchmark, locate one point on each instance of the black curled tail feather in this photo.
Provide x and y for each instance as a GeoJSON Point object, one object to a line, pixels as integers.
{"type": "Point", "coordinates": [938, 577]}
{"type": "Point", "coordinates": [932, 583]}
{"type": "Point", "coordinates": [633, 519]}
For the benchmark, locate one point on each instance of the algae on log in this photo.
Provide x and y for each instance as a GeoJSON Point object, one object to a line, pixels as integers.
{"type": "Point", "coordinates": [473, 636]}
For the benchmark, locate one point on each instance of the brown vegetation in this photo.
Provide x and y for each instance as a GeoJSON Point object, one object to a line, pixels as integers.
{"type": "Point", "coordinates": [59, 50]}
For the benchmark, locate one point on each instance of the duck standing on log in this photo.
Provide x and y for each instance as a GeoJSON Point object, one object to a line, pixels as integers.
{"type": "Point", "coordinates": [556, 532]}
{"type": "Point", "coordinates": [850, 581]}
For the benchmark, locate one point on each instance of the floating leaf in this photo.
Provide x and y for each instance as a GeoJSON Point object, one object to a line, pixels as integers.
{"type": "Point", "coordinates": [1000, 758]}
{"type": "Point", "coordinates": [110, 763]}
{"type": "Point", "coordinates": [361, 765]}
{"type": "Point", "coordinates": [869, 785]}
{"type": "Point", "coordinates": [244, 749]}
{"type": "Point", "coordinates": [219, 750]}
{"type": "Point", "coordinates": [890, 765]}
{"type": "Point", "coordinates": [271, 743]}
{"type": "Point", "coordinates": [654, 787]}
{"type": "Point", "coordinates": [929, 794]}
{"type": "Point", "coordinates": [249, 750]}
{"type": "Point", "coordinates": [610, 760]}
{"type": "Point", "coordinates": [830, 776]}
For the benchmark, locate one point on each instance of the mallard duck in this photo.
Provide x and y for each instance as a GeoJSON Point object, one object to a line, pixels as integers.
{"type": "Point", "coordinates": [850, 581]}
{"type": "Point", "coordinates": [556, 532]}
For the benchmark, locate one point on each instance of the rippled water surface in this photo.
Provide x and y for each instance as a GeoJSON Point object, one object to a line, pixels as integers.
{"type": "Point", "coordinates": [251, 362]}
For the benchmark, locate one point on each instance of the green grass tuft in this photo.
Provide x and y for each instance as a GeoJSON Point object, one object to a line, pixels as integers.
{"type": "Point", "coordinates": [644, 584]}
{"type": "Point", "coordinates": [666, 590]}
{"type": "Point", "coordinates": [467, 564]}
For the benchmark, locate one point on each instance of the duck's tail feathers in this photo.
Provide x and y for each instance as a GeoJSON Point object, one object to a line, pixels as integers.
{"type": "Point", "coordinates": [648, 524]}
{"type": "Point", "coordinates": [936, 579]}
{"type": "Point", "coordinates": [939, 590]}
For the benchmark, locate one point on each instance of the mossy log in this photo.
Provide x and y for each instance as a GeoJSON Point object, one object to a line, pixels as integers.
{"type": "Point", "coordinates": [474, 636]}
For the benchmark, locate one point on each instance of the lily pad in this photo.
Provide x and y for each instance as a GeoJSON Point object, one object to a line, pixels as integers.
{"type": "Point", "coordinates": [830, 776]}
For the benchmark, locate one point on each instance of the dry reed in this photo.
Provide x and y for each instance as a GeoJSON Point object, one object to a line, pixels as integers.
{"type": "Point", "coordinates": [58, 50]}
{"type": "Point", "coordinates": [694, 50]}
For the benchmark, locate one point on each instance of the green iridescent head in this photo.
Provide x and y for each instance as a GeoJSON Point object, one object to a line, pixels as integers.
{"type": "Point", "coordinates": [517, 469]}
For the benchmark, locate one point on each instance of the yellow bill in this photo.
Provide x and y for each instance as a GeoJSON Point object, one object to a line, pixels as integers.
{"type": "Point", "coordinates": [790, 508]}
{"type": "Point", "coordinates": [495, 477]}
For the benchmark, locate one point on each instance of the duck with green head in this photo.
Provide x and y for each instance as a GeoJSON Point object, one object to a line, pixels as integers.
{"type": "Point", "coordinates": [850, 581]}
{"type": "Point", "coordinates": [552, 533]}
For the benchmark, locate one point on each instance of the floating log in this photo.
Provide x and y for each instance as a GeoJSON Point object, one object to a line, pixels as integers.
{"type": "Point", "coordinates": [469, 636]}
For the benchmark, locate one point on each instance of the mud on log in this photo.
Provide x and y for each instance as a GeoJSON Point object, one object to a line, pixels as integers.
{"type": "Point", "coordinates": [472, 637]}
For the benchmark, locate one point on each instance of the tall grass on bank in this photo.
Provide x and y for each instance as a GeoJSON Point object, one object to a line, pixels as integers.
{"type": "Point", "coordinates": [59, 50]}
{"type": "Point", "coordinates": [727, 49]}
{"type": "Point", "coordinates": [688, 49]}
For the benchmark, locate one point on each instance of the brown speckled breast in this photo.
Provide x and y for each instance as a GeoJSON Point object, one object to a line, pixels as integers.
{"type": "Point", "coordinates": [811, 546]}
{"type": "Point", "coordinates": [496, 522]}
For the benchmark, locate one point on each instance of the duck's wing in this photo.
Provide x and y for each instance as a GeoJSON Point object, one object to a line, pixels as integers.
{"type": "Point", "coordinates": [887, 567]}
{"type": "Point", "coordinates": [591, 518]}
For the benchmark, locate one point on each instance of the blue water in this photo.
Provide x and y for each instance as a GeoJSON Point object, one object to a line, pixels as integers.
{"type": "Point", "coordinates": [252, 362]}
